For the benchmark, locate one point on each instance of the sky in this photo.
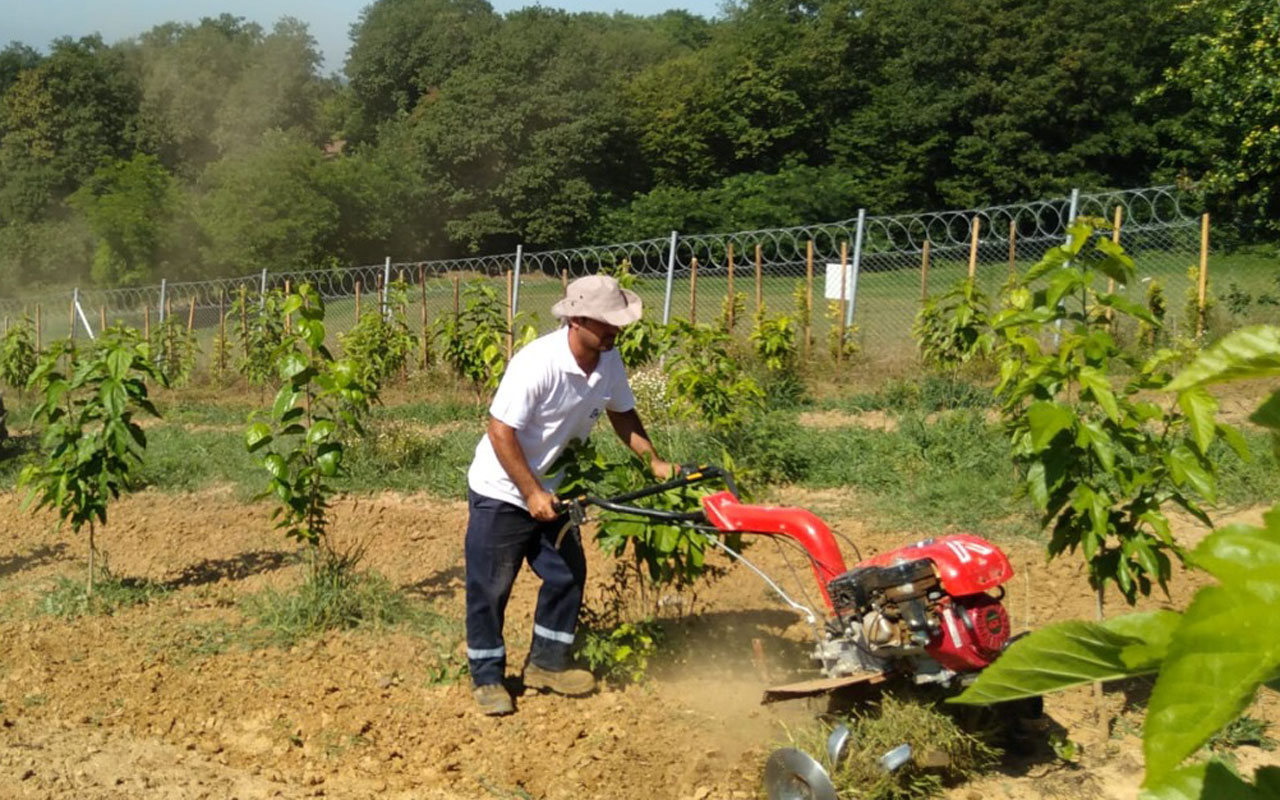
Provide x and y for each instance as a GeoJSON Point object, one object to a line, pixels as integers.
{"type": "Point", "coordinates": [39, 23]}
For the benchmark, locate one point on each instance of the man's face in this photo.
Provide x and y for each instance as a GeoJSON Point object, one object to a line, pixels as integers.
{"type": "Point", "coordinates": [596, 334]}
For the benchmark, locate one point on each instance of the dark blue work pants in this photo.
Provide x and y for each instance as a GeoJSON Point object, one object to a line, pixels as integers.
{"type": "Point", "coordinates": [499, 537]}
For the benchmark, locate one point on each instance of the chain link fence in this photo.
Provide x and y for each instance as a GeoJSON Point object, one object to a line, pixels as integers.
{"type": "Point", "coordinates": [889, 263]}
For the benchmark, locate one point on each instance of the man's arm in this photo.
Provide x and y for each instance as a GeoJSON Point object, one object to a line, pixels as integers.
{"type": "Point", "coordinates": [512, 458]}
{"type": "Point", "coordinates": [631, 431]}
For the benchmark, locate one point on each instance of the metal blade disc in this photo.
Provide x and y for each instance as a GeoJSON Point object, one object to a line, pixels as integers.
{"type": "Point", "coordinates": [792, 774]}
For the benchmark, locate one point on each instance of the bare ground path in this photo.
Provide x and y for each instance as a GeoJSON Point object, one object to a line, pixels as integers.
{"type": "Point", "coordinates": [163, 700]}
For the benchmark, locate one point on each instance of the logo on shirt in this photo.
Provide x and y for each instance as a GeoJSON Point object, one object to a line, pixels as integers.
{"type": "Point", "coordinates": [595, 414]}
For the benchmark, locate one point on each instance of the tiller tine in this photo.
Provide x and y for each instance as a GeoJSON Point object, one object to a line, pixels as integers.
{"type": "Point", "coordinates": [817, 686]}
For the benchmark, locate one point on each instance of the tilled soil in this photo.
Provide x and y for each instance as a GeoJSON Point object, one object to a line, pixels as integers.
{"type": "Point", "coordinates": [164, 700]}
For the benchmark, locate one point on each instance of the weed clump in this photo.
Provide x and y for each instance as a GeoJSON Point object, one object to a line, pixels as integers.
{"type": "Point", "coordinates": [943, 753]}
{"type": "Point", "coordinates": [69, 599]}
{"type": "Point", "coordinates": [334, 596]}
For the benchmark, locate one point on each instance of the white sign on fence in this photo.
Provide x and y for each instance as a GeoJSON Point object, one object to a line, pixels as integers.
{"type": "Point", "coordinates": [831, 289]}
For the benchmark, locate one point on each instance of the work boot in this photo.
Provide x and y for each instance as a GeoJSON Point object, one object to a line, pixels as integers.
{"type": "Point", "coordinates": [572, 682]}
{"type": "Point", "coordinates": [493, 699]}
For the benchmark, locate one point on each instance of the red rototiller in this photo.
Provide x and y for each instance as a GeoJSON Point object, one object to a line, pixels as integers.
{"type": "Point", "coordinates": [925, 611]}
{"type": "Point", "coordinates": [929, 612]}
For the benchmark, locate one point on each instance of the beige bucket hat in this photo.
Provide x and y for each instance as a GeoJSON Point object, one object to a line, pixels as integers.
{"type": "Point", "coordinates": [600, 297]}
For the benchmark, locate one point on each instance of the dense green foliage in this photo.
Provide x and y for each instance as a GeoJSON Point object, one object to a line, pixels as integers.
{"type": "Point", "coordinates": [1211, 658]}
{"type": "Point", "coordinates": [320, 399]}
{"type": "Point", "coordinates": [215, 148]}
{"type": "Point", "coordinates": [92, 444]}
{"type": "Point", "coordinates": [1101, 461]}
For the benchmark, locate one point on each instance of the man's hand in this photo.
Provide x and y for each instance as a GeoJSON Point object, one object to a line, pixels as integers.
{"type": "Point", "coordinates": [542, 505]}
{"type": "Point", "coordinates": [663, 470]}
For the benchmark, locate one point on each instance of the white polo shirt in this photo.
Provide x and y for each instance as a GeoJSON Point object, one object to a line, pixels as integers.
{"type": "Point", "coordinates": [549, 401]}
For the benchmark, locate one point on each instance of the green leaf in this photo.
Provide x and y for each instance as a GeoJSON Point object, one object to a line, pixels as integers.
{"type": "Point", "coordinates": [276, 466]}
{"type": "Point", "coordinates": [320, 431]}
{"type": "Point", "coordinates": [329, 459]}
{"type": "Point", "coordinates": [1037, 486]}
{"type": "Point", "coordinates": [1126, 306]}
{"type": "Point", "coordinates": [1069, 654]}
{"type": "Point", "coordinates": [1091, 434]}
{"type": "Point", "coordinates": [1252, 352]}
{"type": "Point", "coordinates": [258, 435]}
{"type": "Point", "coordinates": [292, 364]}
{"type": "Point", "coordinates": [1096, 383]}
{"type": "Point", "coordinates": [1210, 781]}
{"type": "Point", "coordinates": [1185, 468]}
{"type": "Point", "coordinates": [1047, 420]}
{"type": "Point", "coordinates": [1200, 408]}
{"type": "Point", "coordinates": [118, 363]}
{"type": "Point", "coordinates": [1235, 440]}
{"type": "Point", "coordinates": [1227, 645]}
{"type": "Point", "coordinates": [285, 400]}
{"type": "Point", "coordinates": [1244, 555]}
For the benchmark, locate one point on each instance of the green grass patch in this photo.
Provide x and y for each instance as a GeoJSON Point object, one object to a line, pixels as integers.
{"type": "Point", "coordinates": [69, 598]}
{"type": "Point", "coordinates": [402, 458]}
{"type": "Point", "coordinates": [183, 460]}
{"type": "Point", "coordinates": [943, 752]}
{"type": "Point", "coordinates": [335, 596]}
{"type": "Point", "coordinates": [925, 394]}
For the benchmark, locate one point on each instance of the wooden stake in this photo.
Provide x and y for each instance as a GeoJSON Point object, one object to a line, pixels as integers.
{"type": "Point", "coordinates": [244, 318]}
{"type": "Point", "coordinates": [146, 322]}
{"type": "Point", "coordinates": [288, 324]}
{"type": "Point", "coordinates": [222, 331]}
{"type": "Point", "coordinates": [730, 304]}
{"type": "Point", "coordinates": [102, 320]}
{"type": "Point", "coordinates": [357, 299]}
{"type": "Point", "coordinates": [1204, 274]}
{"type": "Point", "coordinates": [422, 281]}
{"type": "Point", "coordinates": [844, 288]}
{"type": "Point", "coordinates": [808, 298]}
{"type": "Point", "coordinates": [71, 318]}
{"type": "Point", "coordinates": [759, 281]}
{"type": "Point", "coordinates": [510, 319]}
{"type": "Point", "coordinates": [973, 248]}
{"type": "Point", "coordinates": [1117, 219]}
{"type": "Point", "coordinates": [924, 271]}
{"type": "Point", "coordinates": [457, 307]}
{"type": "Point", "coordinates": [564, 283]}
{"type": "Point", "coordinates": [191, 315]}
{"type": "Point", "coordinates": [1013, 247]}
{"type": "Point", "coordinates": [693, 291]}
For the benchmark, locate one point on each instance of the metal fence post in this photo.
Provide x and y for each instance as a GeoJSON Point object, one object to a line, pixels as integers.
{"type": "Point", "coordinates": [857, 264]}
{"type": "Point", "coordinates": [671, 274]}
{"type": "Point", "coordinates": [163, 291]}
{"type": "Point", "coordinates": [515, 286]}
{"type": "Point", "coordinates": [1071, 219]}
{"type": "Point", "coordinates": [386, 282]}
{"type": "Point", "coordinates": [75, 299]}
{"type": "Point", "coordinates": [262, 292]}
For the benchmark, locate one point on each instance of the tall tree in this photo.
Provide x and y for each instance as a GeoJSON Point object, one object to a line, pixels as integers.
{"type": "Point", "coordinates": [278, 88]}
{"type": "Point", "coordinates": [1230, 67]}
{"type": "Point", "coordinates": [64, 117]}
{"type": "Point", "coordinates": [402, 50]}
{"type": "Point", "coordinates": [527, 139]}
{"type": "Point", "coordinates": [187, 72]}
{"type": "Point", "coordinates": [264, 208]}
{"type": "Point", "coordinates": [129, 206]}
{"type": "Point", "coordinates": [14, 58]}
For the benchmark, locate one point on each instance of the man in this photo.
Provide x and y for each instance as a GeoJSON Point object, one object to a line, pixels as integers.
{"type": "Point", "coordinates": [552, 393]}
